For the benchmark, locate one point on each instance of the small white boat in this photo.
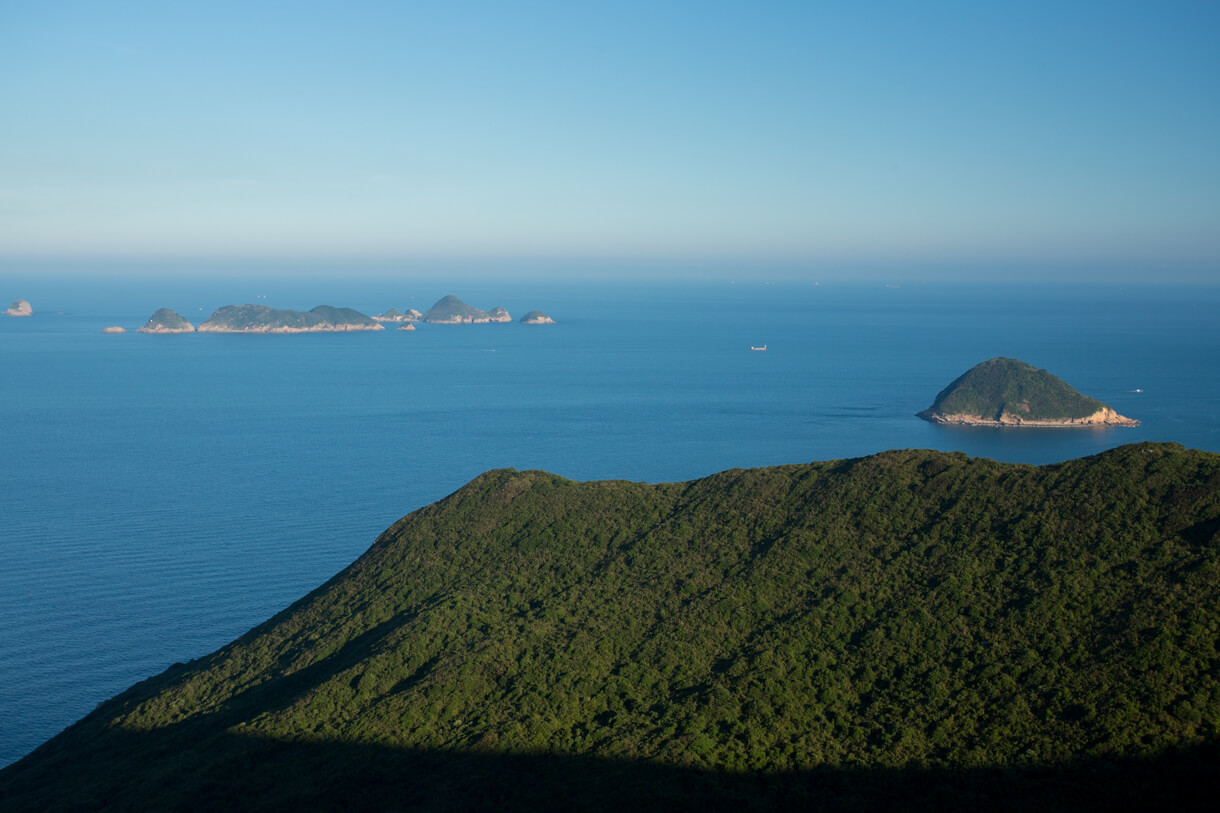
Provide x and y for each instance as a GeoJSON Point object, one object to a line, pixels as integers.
{"type": "Point", "coordinates": [752, 347]}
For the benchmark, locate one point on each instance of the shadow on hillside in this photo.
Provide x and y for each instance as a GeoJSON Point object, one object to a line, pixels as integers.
{"type": "Point", "coordinates": [141, 771]}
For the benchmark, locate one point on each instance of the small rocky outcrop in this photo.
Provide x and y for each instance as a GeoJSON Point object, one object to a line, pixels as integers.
{"type": "Point", "coordinates": [166, 321]}
{"type": "Point", "coordinates": [536, 318]}
{"type": "Point", "coordinates": [407, 326]}
{"type": "Point", "coordinates": [114, 329]}
{"type": "Point", "coordinates": [19, 308]}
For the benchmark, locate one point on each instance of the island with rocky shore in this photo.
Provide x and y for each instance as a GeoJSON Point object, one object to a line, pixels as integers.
{"type": "Point", "coordinates": [166, 321]}
{"type": "Point", "coordinates": [1009, 392]}
{"type": "Point", "coordinates": [450, 310]}
{"type": "Point", "coordinates": [264, 319]}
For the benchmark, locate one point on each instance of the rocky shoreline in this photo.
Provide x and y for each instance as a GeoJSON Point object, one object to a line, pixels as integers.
{"type": "Point", "coordinates": [1102, 417]}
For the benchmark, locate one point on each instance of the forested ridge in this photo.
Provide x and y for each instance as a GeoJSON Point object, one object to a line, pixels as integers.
{"type": "Point", "coordinates": [913, 625]}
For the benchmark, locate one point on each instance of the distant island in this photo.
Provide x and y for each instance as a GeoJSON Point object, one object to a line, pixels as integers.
{"type": "Point", "coordinates": [1009, 392]}
{"type": "Point", "coordinates": [114, 329]}
{"type": "Point", "coordinates": [452, 311]}
{"type": "Point", "coordinates": [166, 321]}
{"type": "Point", "coordinates": [264, 319]}
{"type": "Point", "coordinates": [448, 310]}
{"type": "Point", "coordinates": [19, 308]}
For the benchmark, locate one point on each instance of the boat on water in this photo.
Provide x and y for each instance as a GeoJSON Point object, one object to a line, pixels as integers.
{"type": "Point", "coordinates": [752, 347]}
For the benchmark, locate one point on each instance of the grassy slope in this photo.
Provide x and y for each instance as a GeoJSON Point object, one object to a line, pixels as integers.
{"type": "Point", "coordinates": [915, 621]}
{"type": "Point", "coordinates": [1001, 385]}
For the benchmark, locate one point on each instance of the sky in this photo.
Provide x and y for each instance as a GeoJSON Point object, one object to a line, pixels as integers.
{"type": "Point", "coordinates": [1082, 137]}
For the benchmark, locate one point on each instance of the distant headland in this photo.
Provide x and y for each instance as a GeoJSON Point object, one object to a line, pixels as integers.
{"type": "Point", "coordinates": [1009, 392]}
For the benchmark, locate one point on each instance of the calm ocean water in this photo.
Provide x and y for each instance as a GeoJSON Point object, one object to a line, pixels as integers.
{"type": "Point", "coordinates": [160, 495]}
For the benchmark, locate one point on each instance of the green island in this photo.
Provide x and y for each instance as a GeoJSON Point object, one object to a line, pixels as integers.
{"type": "Point", "coordinates": [536, 318]}
{"type": "Point", "coordinates": [166, 321]}
{"type": "Point", "coordinates": [450, 310]}
{"type": "Point", "coordinates": [264, 319]}
{"type": "Point", "coordinates": [913, 628]}
{"type": "Point", "coordinates": [1009, 392]}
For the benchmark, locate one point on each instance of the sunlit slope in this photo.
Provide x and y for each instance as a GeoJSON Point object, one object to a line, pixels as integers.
{"type": "Point", "coordinates": [913, 610]}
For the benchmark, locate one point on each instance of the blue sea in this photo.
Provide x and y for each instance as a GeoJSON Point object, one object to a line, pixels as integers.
{"type": "Point", "coordinates": [160, 495]}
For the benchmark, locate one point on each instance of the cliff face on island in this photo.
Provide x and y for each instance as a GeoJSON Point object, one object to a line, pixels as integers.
{"type": "Point", "coordinates": [263, 319]}
{"type": "Point", "coordinates": [19, 308]}
{"type": "Point", "coordinates": [1009, 392]}
{"type": "Point", "coordinates": [166, 321]}
{"type": "Point", "coordinates": [913, 628]}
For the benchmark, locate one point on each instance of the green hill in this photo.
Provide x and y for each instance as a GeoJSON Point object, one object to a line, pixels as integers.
{"type": "Point", "coordinates": [166, 321]}
{"type": "Point", "coordinates": [914, 627]}
{"type": "Point", "coordinates": [1008, 391]}
{"type": "Point", "coordinates": [450, 310]}
{"type": "Point", "coordinates": [345, 318]}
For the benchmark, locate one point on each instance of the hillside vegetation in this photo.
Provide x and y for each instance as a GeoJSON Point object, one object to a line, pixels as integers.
{"type": "Point", "coordinates": [912, 626]}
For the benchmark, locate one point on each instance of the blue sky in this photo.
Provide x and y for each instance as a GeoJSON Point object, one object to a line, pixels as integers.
{"type": "Point", "coordinates": [964, 135]}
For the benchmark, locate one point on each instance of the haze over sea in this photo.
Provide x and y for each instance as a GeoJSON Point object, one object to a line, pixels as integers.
{"type": "Point", "coordinates": [160, 495]}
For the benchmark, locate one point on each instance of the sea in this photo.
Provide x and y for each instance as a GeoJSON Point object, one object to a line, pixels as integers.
{"type": "Point", "coordinates": [160, 495]}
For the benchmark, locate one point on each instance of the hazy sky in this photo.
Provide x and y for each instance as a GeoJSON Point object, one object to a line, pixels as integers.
{"type": "Point", "coordinates": [1054, 134]}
